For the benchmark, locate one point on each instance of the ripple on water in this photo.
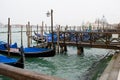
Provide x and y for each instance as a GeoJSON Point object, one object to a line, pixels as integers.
{"type": "Point", "coordinates": [68, 66]}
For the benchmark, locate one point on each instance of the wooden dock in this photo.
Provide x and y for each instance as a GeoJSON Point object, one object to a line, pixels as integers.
{"type": "Point", "coordinates": [106, 40]}
{"type": "Point", "coordinates": [23, 74]}
{"type": "Point", "coordinates": [103, 39]}
{"type": "Point", "coordinates": [112, 71]}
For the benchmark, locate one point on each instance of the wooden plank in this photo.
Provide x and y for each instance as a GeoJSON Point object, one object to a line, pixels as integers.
{"type": "Point", "coordinates": [118, 78]}
{"type": "Point", "coordinates": [93, 45]}
{"type": "Point", "coordinates": [22, 74]}
{"type": "Point", "coordinates": [106, 72]}
{"type": "Point", "coordinates": [115, 69]}
{"type": "Point", "coordinates": [112, 70]}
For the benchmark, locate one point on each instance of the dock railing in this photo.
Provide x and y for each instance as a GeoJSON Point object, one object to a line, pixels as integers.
{"type": "Point", "coordinates": [91, 39]}
{"type": "Point", "coordinates": [23, 74]}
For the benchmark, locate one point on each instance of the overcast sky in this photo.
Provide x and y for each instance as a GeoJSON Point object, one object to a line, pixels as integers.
{"type": "Point", "coordinates": [66, 12]}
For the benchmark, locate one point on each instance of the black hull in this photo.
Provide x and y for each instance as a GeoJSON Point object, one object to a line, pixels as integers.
{"type": "Point", "coordinates": [49, 53]}
{"type": "Point", "coordinates": [19, 63]}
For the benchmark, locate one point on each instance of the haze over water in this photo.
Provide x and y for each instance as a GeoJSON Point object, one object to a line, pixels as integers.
{"type": "Point", "coordinates": [65, 12]}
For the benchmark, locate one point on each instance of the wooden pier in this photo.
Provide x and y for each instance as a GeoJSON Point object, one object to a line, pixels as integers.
{"type": "Point", "coordinates": [104, 39]}
{"type": "Point", "coordinates": [112, 71]}
{"type": "Point", "coordinates": [22, 74]}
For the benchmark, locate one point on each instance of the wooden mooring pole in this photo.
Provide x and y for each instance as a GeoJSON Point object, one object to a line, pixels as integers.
{"type": "Point", "coordinates": [58, 34]}
{"type": "Point", "coordinates": [8, 37]}
{"type": "Point", "coordinates": [61, 49]}
{"type": "Point", "coordinates": [80, 50]}
{"type": "Point", "coordinates": [42, 29]}
{"type": "Point", "coordinates": [21, 35]}
{"type": "Point", "coordinates": [10, 34]}
{"type": "Point", "coordinates": [46, 27]}
{"type": "Point", "coordinates": [22, 74]}
{"type": "Point", "coordinates": [37, 36]}
{"type": "Point", "coordinates": [65, 48]}
{"type": "Point", "coordinates": [28, 33]}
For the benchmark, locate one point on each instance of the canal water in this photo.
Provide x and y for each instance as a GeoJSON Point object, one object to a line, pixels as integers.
{"type": "Point", "coordinates": [69, 65]}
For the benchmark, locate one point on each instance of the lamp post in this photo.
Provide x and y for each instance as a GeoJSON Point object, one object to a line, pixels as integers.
{"type": "Point", "coordinates": [50, 14]}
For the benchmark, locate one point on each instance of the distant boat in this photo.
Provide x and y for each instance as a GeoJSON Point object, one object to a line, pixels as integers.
{"type": "Point", "coordinates": [38, 38]}
{"type": "Point", "coordinates": [28, 51]}
{"type": "Point", "coordinates": [37, 34]}
{"type": "Point", "coordinates": [47, 37]}
{"type": "Point", "coordinates": [85, 37]}
{"type": "Point", "coordinates": [12, 61]}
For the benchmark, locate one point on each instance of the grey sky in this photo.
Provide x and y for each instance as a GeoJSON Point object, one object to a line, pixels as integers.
{"type": "Point", "coordinates": [66, 12]}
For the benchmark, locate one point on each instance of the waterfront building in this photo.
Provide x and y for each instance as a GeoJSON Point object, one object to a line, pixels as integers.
{"type": "Point", "coordinates": [98, 24]}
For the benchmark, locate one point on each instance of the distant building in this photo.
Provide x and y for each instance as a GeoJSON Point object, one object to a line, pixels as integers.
{"type": "Point", "coordinates": [98, 24]}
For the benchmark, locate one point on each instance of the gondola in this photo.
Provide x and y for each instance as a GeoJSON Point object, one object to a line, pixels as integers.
{"type": "Point", "coordinates": [12, 61]}
{"type": "Point", "coordinates": [47, 37]}
{"type": "Point", "coordinates": [28, 51]}
{"type": "Point", "coordinates": [37, 34]}
{"type": "Point", "coordinates": [38, 38]}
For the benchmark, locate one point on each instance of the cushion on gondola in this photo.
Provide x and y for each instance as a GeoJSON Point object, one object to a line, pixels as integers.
{"type": "Point", "coordinates": [5, 59]}
{"type": "Point", "coordinates": [13, 45]}
{"type": "Point", "coordinates": [31, 50]}
{"type": "Point", "coordinates": [2, 47]}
